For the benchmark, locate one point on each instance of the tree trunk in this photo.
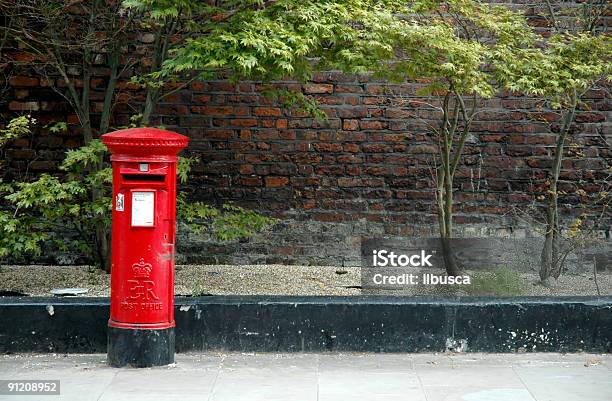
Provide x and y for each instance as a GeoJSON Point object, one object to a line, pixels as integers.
{"type": "Point", "coordinates": [445, 215]}
{"type": "Point", "coordinates": [149, 107]}
{"type": "Point", "coordinates": [444, 190]}
{"type": "Point", "coordinates": [550, 262]}
{"type": "Point", "coordinates": [547, 258]}
{"type": "Point", "coordinates": [160, 52]}
{"type": "Point", "coordinates": [103, 248]}
{"type": "Point", "coordinates": [450, 263]}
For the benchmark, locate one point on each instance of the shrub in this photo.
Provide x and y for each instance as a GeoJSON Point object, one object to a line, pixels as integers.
{"type": "Point", "coordinates": [68, 213]}
{"type": "Point", "coordinates": [502, 282]}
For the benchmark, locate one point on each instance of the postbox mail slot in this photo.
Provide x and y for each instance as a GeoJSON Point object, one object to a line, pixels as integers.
{"type": "Point", "coordinates": [144, 177]}
{"type": "Point", "coordinates": [136, 169]}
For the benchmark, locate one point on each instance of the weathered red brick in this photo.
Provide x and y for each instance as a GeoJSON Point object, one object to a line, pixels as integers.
{"type": "Point", "coordinates": [377, 89]}
{"type": "Point", "coordinates": [20, 153]}
{"type": "Point", "coordinates": [329, 101]}
{"type": "Point", "coordinates": [249, 181]}
{"type": "Point", "coordinates": [309, 204]}
{"type": "Point", "coordinates": [311, 158]}
{"type": "Point", "coordinates": [397, 137]}
{"type": "Point", "coordinates": [328, 147]}
{"type": "Point", "coordinates": [399, 171]}
{"type": "Point", "coordinates": [491, 138]}
{"type": "Point", "coordinates": [201, 98]}
{"type": "Point", "coordinates": [351, 147]}
{"type": "Point", "coordinates": [328, 217]}
{"type": "Point", "coordinates": [46, 165]}
{"type": "Point", "coordinates": [375, 148]}
{"type": "Point", "coordinates": [311, 89]}
{"type": "Point", "coordinates": [220, 110]}
{"type": "Point", "coordinates": [266, 135]}
{"type": "Point", "coordinates": [373, 182]}
{"type": "Point", "coordinates": [592, 117]}
{"type": "Point", "coordinates": [353, 112]}
{"type": "Point", "coordinates": [352, 100]}
{"type": "Point", "coordinates": [376, 170]}
{"type": "Point", "coordinates": [346, 159]}
{"type": "Point", "coordinates": [223, 86]}
{"type": "Point", "coordinates": [218, 134]}
{"type": "Point", "coordinates": [374, 125]}
{"type": "Point", "coordinates": [353, 170]}
{"type": "Point", "coordinates": [22, 56]}
{"type": "Point", "coordinates": [122, 85]}
{"type": "Point", "coordinates": [350, 125]}
{"type": "Point", "coordinates": [375, 100]}
{"type": "Point", "coordinates": [516, 139]}
{"type": "Point", "coordinates": [349, 182]}
{"type": "Point", "coordinates": [398, 113]}
{"type": "Point", "coordinates": [267, 123]}
{"type": "Point", "coordinates": [245, 87]}
{"type": "Point", "coordinates": [349, 136]}
{"type": "Point", "coordinates": [173, 109]}
{"type": "Point", "coordinates": [425, 149]}
{"type": "Point", "coordinates": [21, 93]}
{"type": "Point", "coordinates": [329, 170]}
{"type": "Point", "coordinates": [47, 82]}
{"type": "Point", "coordinates": [519, 150]}
{"type": "Point", "coordinates": [542, 139]}
{"type": "Point", "coordinates": [199, 86]}
{"type": "Point", "coordinates": [349, 89]}
{"type": "Point", "coordinates": [267, 111]}
{"type": "Point", "coordinates": [24, 106]}
{"type": "Point", "coordinates": [276, 181]}
{"type": "Point", "coordinates": [244, 122]}
{"type": "Point", "coordinates": [246, 169]}
{"type": "Point", "coordinates": [23, 81]}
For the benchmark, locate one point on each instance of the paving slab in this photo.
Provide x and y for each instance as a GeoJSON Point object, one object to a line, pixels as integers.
{"type": "Point", "coordinates": [267, 377]}
{"type": "Point", "coordinates": [567, 382]}
{"type": "Point", "coordinates": [322, 377]}
{"type": "Point", "coordinates": [169, 384]}
{"type": "Point", "coordinates": [474, 394]}
{"type": "Point", "coordinates": [373, 363]}
{"type": "Point", "coordinates": [369, 377]}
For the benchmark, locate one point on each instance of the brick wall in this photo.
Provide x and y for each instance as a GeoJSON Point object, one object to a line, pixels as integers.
{"type": "Point", "coordinates": [364, 171]}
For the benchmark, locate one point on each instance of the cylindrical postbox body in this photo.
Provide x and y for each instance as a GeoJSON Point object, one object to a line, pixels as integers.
{"type": "Point", "coordinates": [141, 324]}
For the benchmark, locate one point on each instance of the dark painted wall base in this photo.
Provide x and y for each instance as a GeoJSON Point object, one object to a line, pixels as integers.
{"type": "Point", "coordinates": [293, 324]}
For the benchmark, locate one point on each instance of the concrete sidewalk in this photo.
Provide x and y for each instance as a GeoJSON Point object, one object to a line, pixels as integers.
{"type": "Point", "coordinates": [324, 377]}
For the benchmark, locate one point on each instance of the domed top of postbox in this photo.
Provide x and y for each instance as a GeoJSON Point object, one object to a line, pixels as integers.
{"type": "Point", "coordinates": [144, 143]}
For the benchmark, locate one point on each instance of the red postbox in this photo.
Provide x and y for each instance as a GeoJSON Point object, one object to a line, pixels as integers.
{"type": "Point", "coordinates": [141, 324]}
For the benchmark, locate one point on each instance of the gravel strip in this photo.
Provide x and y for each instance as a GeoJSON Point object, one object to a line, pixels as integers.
{"type": "Point", "coordinates": [266, 280]}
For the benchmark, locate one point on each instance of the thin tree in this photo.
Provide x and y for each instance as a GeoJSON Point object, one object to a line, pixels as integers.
{"type": "Point", "coordinates": [561, 69]}
{"type": "Point", "coordinates": [451, 46]}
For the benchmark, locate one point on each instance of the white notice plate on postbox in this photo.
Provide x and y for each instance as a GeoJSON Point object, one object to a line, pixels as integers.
{"type": "Point", "coordinates": [143, 205]}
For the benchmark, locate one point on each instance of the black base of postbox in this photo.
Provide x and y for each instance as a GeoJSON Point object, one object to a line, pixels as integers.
{"type": "Point", "coordinates": [140, 348]}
